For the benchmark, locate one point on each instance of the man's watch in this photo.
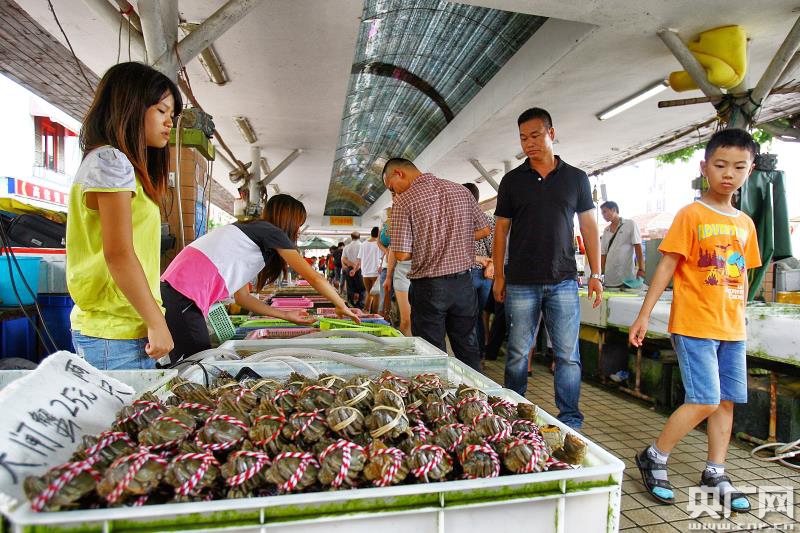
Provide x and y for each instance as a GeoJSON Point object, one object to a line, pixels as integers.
{"type": "Point", "coordinates": [599, 277]}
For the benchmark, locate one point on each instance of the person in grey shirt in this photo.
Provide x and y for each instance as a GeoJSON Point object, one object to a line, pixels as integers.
{"type": "Point", "coordinates": [619, 242]}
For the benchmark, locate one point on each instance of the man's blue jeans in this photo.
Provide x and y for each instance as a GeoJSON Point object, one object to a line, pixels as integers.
{"type": "Point", "coordinates": [483, 287]}
{"type": "Point", "coordinates": [560, 305]}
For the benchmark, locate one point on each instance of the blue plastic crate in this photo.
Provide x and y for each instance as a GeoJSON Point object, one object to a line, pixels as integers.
{"type": "Point", "coordinates": [30, 272]}
{"type": "Point", "coordinates": [55, 313]}
{"type": "Point", "coordinates": [18, 339]}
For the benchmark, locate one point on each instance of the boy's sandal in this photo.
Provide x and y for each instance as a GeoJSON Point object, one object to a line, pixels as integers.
{"type": "Point", "coordinates": [713, 481]}
{"type": "Point", "coordinates": [646, 467]}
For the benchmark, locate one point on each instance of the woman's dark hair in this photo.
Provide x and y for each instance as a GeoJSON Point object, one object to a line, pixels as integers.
{"type": "Point", "coordinates": [116, 118]}
{"type": "Point", "coordinates": [287, 214]}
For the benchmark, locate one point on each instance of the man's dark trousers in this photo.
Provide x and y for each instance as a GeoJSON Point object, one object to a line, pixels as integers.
{"type": "Point", "coordinates": [446, 304]}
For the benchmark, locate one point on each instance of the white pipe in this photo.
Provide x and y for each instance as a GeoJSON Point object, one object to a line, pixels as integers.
{"type": "Point", "coordinates": [344, 333]}
{"type": "Point", "coordinates": [178, 178]}
{"type": "Point", "coordinates": [153, 30]}
{"type": "Point", "coordinates": [255, 174]}
{"type": "Point", "coordinates": [790, 70]}
{"type": "Point", "coordinates": [778, 64]}
{"type": "Point", "coordinates": [281, 166]}
{"type": "Point", "coordinates": [687, 60]}
{"type": "Point", "coordinates": [210, 30]}
{"type": "Point", "coordinates": [488, 177]}
{"type": "Point", "coordinates": [212, 354]}
{"type": "Point", "coordinates": [310, 352]}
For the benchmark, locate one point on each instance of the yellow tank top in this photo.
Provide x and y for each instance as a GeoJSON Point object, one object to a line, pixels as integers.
{"type": "Point", "coordinates": [101, 310]}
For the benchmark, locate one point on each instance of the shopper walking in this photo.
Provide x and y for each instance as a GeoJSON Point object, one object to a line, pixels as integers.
{"type": "Point", "coordinates": [369, 263]}
{"type": "Point", "coordinates": [707, 250]}
{"type": "Point", "coordinates": [440, 221]}
{"type": "Point", "coordinates": [351, 273]}
{"type": "Point", "coordinates": [114, 223]}
{"type": "Point", "coordinates": [538, 201]}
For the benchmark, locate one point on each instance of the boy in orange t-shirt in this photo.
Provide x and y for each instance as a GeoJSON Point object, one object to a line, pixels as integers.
{"type": "Point", "coordinates": [707, 250]}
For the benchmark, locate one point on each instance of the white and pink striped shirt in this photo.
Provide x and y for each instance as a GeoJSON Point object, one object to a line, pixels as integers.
{"type": "Point", "coordinates": [223, 261]}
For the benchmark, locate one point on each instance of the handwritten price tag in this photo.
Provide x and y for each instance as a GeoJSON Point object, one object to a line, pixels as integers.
{"type": "Point", "coordinates": [46, 413]}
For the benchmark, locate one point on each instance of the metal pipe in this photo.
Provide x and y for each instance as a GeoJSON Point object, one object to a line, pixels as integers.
{"type": "Point", "coordinates": [508, 166]}
{"type": "Point", "coordinates": [778, 64]}
{"type": "Point", "coordinates": [687, 60]}
{"type": "Point", "coordinates": [153, 32]}
{"type": "Point", "coordinates": [214, 26]}
{"type": "Point", "coordinates": [483, 172]}
{"type": "Point", "coordinates": [255, 176]}
{"type": "Point", "coordinates": [178, 178]}
{"type": "Point", "coordinates": [104, 10]}
{"type": "Point", "coordinates": [636, 392]}
{"type": "Point", "coordinates": [281, 166]}
{"type": "Point", "coordinates": [773, 407]}
{"type": "Point", "coordinates": [789, 71]}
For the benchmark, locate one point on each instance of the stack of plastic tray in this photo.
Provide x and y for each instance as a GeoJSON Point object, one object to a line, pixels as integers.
{"type": "Point", "coordinates": [278, 333]}
{"type": "Point", "coordinates": [583, 500]}
{"type": "Point", "coordinates": [385, 347]}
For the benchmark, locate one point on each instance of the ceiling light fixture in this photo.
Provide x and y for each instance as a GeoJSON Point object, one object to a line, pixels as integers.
{"type": "Point", "coordinates": [245, 129]}
{"type": "Point", "coordinates": [632, 100]}
{"type": "Point", "coordinates": [208, 58]}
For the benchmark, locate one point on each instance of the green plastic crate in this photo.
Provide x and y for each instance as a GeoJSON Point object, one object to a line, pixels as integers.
{"type": "Point", "coordinates": [221, 323]}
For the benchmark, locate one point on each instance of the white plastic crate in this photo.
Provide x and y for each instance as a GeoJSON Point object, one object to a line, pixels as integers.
{"type": "Point", "coordinates": [584, 500]}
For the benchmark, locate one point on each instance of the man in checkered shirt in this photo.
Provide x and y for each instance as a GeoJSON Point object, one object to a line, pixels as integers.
{"type": "Point", "coordinates": [435, 223]}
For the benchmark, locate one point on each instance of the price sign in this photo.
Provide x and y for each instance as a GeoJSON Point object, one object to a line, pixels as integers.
{"type": "Point", "coordinates": [46, 414]}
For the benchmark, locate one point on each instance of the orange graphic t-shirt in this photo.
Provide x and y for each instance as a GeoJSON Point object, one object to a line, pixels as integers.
{"type": "Point", "coordinates": [710, 282]}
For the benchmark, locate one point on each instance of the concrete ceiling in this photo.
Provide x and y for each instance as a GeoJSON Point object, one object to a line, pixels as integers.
{"type": "Point", "coordinates": [289, 64]}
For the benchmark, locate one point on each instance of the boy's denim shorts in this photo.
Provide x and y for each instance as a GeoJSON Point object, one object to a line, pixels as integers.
{"type": "Point", "coordinates": [113, 354]}
{"type": "Point", "coordinates": [712, 370]}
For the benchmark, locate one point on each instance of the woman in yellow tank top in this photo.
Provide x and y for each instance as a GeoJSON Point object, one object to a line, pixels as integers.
{"type": "Point", "coordinates": [113, 228]}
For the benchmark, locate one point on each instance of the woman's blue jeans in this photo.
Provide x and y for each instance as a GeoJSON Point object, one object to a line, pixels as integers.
{"type": "Point", "coordinates": [560, 305]}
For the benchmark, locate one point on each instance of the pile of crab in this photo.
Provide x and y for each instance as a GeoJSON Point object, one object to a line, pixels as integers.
{"type": "Point", "coordinates": [265, 437]}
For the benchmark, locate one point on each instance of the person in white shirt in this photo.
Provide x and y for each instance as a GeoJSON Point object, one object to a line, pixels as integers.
{"type": "Point", "coordinates": [351, 270]}
{"type": "Point", "coordinates": [369, 261]}
{"type": "Point", "coordinates": [619, 242]}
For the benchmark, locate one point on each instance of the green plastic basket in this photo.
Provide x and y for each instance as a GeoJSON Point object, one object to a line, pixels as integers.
{"type": "Point", "coordinates": [221, 323]}
{"type": "Point", "coordinates": [378, 330]}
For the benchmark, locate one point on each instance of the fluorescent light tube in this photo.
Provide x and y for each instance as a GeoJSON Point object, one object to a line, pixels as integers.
{"type": "Point", "coordinates": [632, 100]}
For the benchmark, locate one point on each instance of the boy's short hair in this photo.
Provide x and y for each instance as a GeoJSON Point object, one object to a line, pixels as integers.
{"type": "Point", "coordinates": [536, 113]}
{"type": "Point", "coordinates": [374, 232]}
{"type": "Point", "coordinates": [610, 205]}
{"type": "Point", "coordinates": [734, 137]}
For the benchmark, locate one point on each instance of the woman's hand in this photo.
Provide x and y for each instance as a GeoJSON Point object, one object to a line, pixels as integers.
{"type": "Point", "coordinates": [346, 312]}
{"type": "Point", "coordinates": [159, 342]}
{"type": "Point", "coordinates": [300, 317]}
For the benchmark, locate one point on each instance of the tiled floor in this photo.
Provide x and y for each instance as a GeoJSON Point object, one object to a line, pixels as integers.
{"type": "Point", "coordinates": [624, 425]}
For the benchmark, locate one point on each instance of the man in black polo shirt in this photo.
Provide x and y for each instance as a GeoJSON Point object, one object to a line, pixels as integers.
{"type": "Point", "coordinates": [541, 198]}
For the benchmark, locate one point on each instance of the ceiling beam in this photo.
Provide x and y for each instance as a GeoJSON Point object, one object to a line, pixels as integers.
{"type": "Point", "coordinates": [209, 31]}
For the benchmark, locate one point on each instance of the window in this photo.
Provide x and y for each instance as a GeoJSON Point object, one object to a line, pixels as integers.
{"type": "Point", "coordinates": [50, 143]}
{"type": "Point", "coordinates": [50, 146]}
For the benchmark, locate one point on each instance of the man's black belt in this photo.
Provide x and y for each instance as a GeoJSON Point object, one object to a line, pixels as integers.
{"type": "Point", "coordinates": [446, 276]}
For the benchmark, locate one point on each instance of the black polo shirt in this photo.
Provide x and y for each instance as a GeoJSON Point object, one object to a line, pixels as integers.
{"type": "Point", "coordinates": [542, 209]}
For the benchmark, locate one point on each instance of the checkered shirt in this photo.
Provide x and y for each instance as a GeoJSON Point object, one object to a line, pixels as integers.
{"type": "Point", "coordinates": [436, 220]}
